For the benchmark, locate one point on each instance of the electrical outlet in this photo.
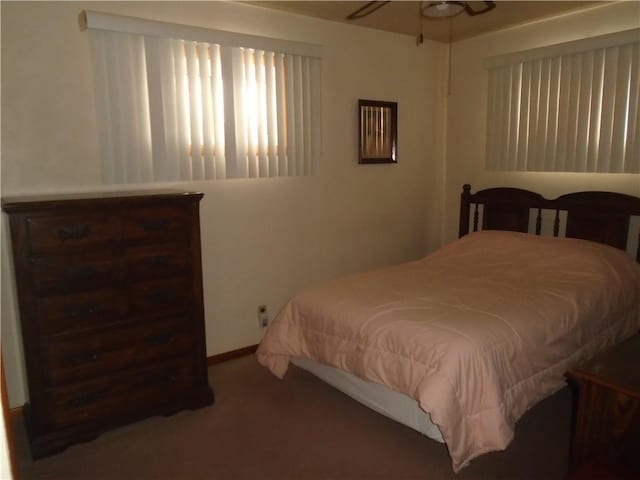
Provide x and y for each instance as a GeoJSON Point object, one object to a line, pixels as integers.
{"type": "Point", "coordinates": [263, 316]}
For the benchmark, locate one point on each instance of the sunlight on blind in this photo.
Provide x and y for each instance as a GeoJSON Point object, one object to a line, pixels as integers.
{"type": "Point", "coordinates": [203, 106]}
{"type": "Point", "coordinates": [574, 113]}
{"type": "Point", "coordinates": [274, 125]}
{"type": "Point", "coordinates": [172, 109]}
{"type": "Point", "coordinates": [261, 82]}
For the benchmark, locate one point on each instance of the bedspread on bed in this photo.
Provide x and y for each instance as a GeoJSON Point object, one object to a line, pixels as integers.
{"type": "Point", "coordinates": [477, 332]}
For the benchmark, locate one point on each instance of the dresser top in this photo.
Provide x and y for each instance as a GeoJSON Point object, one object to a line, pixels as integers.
{"type": "Point", "coordinates": [617, 368]}
{"type": "Point", "coordinates": [52, 201]}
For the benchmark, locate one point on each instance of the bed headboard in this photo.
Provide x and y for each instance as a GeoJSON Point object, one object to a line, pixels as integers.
{"type": "Point", "coordinates": [602, 217]}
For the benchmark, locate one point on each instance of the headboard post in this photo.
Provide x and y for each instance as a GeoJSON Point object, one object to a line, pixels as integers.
{"type": "Point", "coordinates": [465, 203]}
{"type": "Point", "coordinates": [539, 221]}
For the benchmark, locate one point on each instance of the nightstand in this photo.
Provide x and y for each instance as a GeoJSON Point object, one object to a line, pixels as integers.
{"type": "Point", "coordinates": [606, 434]}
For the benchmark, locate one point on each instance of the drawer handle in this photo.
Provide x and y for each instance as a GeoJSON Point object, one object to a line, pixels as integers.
{"type": "Point", "coordinates": [85, 359]}
{"type": "Point", "coordinates": [159, 261]}
{"type": "Point", "coordinates": [162, 297]}
{"type": "Point", "coordinates": [152, 224]}
{"type": "Point", "coordinates": [36, 259]}
{"type": "Point", "coordinates": [86, 400]}
{"type": "Point", "coordinates": [159, 380]}
{"type": "Point", "coordinates": [82, 310]}
{"type": "Point", "coordinates": [164, 380]}
{"type": "Point", "coordinates": [82, 271]}
{"type": "Point", "coordinates": [161, 339]}
{"type": "Point", "coordinates": [74, 232]}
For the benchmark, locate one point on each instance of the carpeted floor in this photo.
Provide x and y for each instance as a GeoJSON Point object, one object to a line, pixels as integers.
{"type": "Point", "coordinates": [296, 428]}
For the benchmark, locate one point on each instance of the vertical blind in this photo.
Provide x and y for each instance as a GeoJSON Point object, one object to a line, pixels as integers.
{"type": "Point", "coordinates": [567, 109]}
{"type": "Point", "coordinates": [187, 109]}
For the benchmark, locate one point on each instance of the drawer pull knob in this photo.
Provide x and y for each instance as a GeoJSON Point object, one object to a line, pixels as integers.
{"type": "Point", "coordinates": [159, 380]}
{"type": "Point", "coordinates": [170, 378]}
{"type": "Point", "coordinates": [152, 224]}
{"type": "Point", "coordinates": [85, 359]}
{"type": "Point", "coordinates": [82, 310]}
{"type": "Point", "coordinates": [162, 339]}
{"type": "Point", "coordinates": [74, 232]}
{"type": "Point", "coordinates": [85, 400]}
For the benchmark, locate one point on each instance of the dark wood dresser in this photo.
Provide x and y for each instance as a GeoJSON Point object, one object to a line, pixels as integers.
{"type": "Point", "coordinates": [606, 440]}
{"type": "Point", "coordinates": [110, 296]}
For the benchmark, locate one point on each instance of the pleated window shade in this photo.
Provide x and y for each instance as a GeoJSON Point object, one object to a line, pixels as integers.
{"type": "Point", "coordinates": [174, 109]}
{"type": "Point", "coordinates": [567, 108]}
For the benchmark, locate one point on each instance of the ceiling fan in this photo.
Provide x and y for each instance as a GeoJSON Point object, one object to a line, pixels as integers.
{"type": "Point", "coordinates": [434, 10]}
{"type": "Point", "coordinates": [442, 9]}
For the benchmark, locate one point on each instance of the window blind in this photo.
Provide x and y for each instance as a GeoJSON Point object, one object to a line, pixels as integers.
{"type": "Point", "coordinates": [189, 108]}
{"type": "Point", "coordinates": [569, 108]}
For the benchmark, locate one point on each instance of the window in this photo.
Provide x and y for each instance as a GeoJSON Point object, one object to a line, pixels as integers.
{"type": "Point", "coordinates": [183, 103]}
{"type": "Point", "coordinates": [572, 107]}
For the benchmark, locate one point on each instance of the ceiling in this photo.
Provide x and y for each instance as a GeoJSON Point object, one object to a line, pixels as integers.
{"type": "Point", "coordinates": [402, 16]}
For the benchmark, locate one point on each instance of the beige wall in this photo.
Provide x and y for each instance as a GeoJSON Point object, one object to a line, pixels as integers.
{"type": "Point", "coordinates": [467, 107]}
{"type": "Point", "coordinates": [265, 239]}
{"type": "Point", "coordinates": [262, 239]}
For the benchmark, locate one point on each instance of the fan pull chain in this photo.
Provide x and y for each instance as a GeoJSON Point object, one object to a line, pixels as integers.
{"type": "Point", "coordinates": [420, 38]}
{"type": "Point", "coordinates": [449, 55]}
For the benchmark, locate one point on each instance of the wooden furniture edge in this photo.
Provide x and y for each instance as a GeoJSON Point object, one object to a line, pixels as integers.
{"type": "Point", "coordinates": [8, 415]}
{"type": "Point", "coordinates": [599, 413]}
{"type": "Point", "coordinates": [20, 203]}
{"type": "Point", "coordinates": [16, 411]}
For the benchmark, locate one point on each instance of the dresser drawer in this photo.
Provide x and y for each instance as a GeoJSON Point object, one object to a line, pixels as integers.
{"type": "Point", "coordinates": [155, 224]}
{"type": "Point", "coordinates": [156, 261]}
{"type": "Point", "coordinates": [70, 232]}
{"type": "Point", "coordinates": [115, 395]}
{"type": "Point", "coordinates": [62, 313]}
{"type": "Point", "coordinates": [81, 356]}
{"type": "Point", "coordinates": [68, 273]}
{"type": "Point", "coordinates": [160, 297]}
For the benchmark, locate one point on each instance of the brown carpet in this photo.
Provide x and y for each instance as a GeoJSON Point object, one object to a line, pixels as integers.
{"type": "Point", "coordinates": [296, 428]}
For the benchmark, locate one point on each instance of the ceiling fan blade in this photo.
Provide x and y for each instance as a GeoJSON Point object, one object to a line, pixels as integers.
{"type": "Point", "coordinates": [365, 10]}
{"type": "Point", "coordinates": [470, 11]}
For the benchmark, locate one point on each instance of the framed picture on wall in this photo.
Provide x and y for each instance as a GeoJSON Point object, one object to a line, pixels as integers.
{"type": "Point", "coordinates": [378, 127]}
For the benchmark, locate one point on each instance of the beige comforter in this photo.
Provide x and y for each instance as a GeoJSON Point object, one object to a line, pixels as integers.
{"type": "Point", "coordinates": [476, 333]}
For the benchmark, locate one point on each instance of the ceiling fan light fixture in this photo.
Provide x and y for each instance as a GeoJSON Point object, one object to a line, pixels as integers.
{"type": "Point", "coordinates": [442, 9]}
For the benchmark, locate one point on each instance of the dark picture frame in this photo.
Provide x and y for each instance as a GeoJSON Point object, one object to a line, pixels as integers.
{"type": "Point", "coordinates": [378, 131]}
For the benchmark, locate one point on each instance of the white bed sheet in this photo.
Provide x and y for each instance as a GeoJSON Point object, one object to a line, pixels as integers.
{"type": "Point", "coordinates": [391, 404]}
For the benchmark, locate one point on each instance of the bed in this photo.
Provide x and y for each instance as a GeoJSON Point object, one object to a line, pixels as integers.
{"type": "Point", "coordinates": [460, 344]}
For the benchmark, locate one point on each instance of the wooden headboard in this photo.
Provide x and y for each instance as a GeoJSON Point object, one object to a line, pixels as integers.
{"type": "Point", "coordinates": [602, 217]}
